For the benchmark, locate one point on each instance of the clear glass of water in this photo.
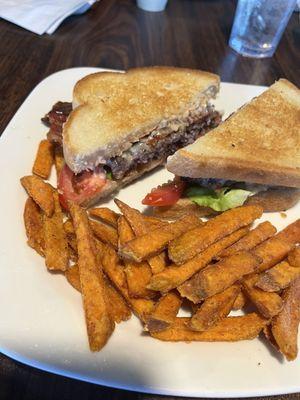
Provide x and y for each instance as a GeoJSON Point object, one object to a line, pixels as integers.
{"type": "Point", "coordinates": [258, 26]}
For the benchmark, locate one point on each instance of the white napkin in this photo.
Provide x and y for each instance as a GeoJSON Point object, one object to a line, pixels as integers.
{"type": "Point", "coordinates": [40, 16]}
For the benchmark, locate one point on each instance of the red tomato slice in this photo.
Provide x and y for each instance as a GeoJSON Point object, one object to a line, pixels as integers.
{"type": "Point", "coordinates": [81, 187]}
{"type": "Point", "coordinates": [165, 195]}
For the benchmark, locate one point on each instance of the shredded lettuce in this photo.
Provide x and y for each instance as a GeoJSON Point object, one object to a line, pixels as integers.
{"type": "Point", "coordinates": [218, 200]}
{"type": "Point", "coordinates": [109, 175]}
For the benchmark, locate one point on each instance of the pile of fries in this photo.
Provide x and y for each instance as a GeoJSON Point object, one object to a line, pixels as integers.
{"type": "Point", "coordinates": [127, 262]}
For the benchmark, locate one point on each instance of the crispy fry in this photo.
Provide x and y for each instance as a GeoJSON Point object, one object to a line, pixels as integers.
{"type": "Point", "coordinates": [105, 215]}
{"type": "Point", "coordinates": [59, 160]}
{"type": "Point", "coordinates": [230, 329]}
{"type": "Point", "coordinates": [294, 257]}
{"type": "Point", "coordinates": [117, 307]}
{"type": "Point", "coordinates": [98, 320]}
{"type": "Point", "coordinates": [213, 309]}
{"type": "Point", "coordinates": [43, 160]}
{"type": "Point", "coordinates": [272, 251]}
{"type": "Point", "coordinates": [34, 226]}
{"type": "Point", "coordinates": [291, 234]}
{"type": "Point", "coordinates": [138, 274]}
{"type": "Point", "coordinates": [217, 277]}
{"type": "Point", "coordinates": [174, 275]}
{"type": "Point", "coordinates": [198, 239]}
{"type": "Point", "coordinates": [258, 235]}
{"type": "Point", "coordinates": [240, 301]}
{"type": "Point", "coordinates": [164, 313]}
{"type": "Point", "coordinates": [56, 244]}
{"type": "Point", "coordinates": [268, 304]}
{"type": "Point", "coordinates": [105, 233]}
{"type": "Point", "coordinates": [115, 271]}
{"type": "Point", "coordinates": [152, 243]}
{"type": "Point", "coordinates": [142, 225]}
{"type": "Point", "coordinates": [278, 277]}
{"type": "Point", "coordinates": [40, 191]}
{"type": "Point", "coordinates": [285, 324]}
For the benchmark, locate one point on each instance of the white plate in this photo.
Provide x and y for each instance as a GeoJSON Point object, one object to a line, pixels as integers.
{"type": "Point", "coordinates": [42, 322]}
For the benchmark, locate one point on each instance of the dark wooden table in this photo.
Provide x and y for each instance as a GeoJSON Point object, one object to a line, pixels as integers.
{"type": "Point", "coordinates": [116, 34]}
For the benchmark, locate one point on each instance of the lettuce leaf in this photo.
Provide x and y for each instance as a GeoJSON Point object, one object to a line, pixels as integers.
{"type": "Point", "coordinates": [218, 200]}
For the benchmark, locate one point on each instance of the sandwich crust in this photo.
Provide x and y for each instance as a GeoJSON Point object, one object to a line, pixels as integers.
{"type": "Point", "coordinates": [112, 110]}
{"type": "Point", "coordinates": [260, 143]}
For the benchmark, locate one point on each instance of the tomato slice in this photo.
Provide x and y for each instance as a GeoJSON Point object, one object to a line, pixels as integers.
{"type": "Point", "coordinates": [165, 195]}
{"type": "Point", "coordinates": [79, 188]}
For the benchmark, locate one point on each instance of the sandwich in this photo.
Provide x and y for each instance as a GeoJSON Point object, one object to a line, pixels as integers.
{"type": "Point", "coordinates": [253, 157]}
{"type": "Point", "coordinates": [121, 125]}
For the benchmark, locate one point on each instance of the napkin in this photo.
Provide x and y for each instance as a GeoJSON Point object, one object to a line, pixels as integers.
{"type": "Point", "coordinates": [41, 16]}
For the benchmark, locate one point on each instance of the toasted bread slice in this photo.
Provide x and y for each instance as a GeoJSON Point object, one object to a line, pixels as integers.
{"type": "Point", "coordinates": [259, 143]}
{"type": "Point", "coordinates": [113, 110]}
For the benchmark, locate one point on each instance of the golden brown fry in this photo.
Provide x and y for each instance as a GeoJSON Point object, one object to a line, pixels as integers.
{"type": "Point", "coordinates": [115, 271]}
{"type": "Point", "coordinates": [278, 277]}
{"type": "Point", "coordinates": [138, 274]}
{"type": "Point", "coordinates": [164, 313]}
{"type": "Point", "coordinates": [258, 235]}
{"type": "Point", "coordinates": [294, 257]}
{"type": "Point", "coordinates": [146, 246]}
{"type": "Point", "coordinates": [105, 215]}
{"type": "Point", "coordinates": [43, 160]}
{"type": "Point", "coordinates": [40, 191]}
{"type": "Point", "coordinates": [56, 244]}
{"type": "Point", "coordinates": [98, 320]}
{"type": "Point", "coordinates": [59, 160]}
{"type": "Point", "coordinates": [213, 309]}
{"type": "Point", "coordinates": [230, 329]}
{"type": "Point", "coordinates": [174, 275]}
{"type": "Point", "coordinates": [217, 277]}
{"type": "Point", "coordinates": [272, 251]}
{"type": "Point", "coordinates": [72, 275]}
{"type": "Point", "coordinates": [142, 225]}
{"type": "Point", "coordinates": [68, 227]}
{"type": "Point", "coordinates": [33, 221]}
{"type": "Point", "coordinates": [198, 239]}
{"type": "Point", "coordinates": [239, 302]}
{"type": "Point", "coordinates": [291, 234]}
{"type": "Point", "coordinates": [105, 233]}
{"type": "Point", "coordinates": [285, 324]}
{"type": "Point", "coordinates": [268, 304]}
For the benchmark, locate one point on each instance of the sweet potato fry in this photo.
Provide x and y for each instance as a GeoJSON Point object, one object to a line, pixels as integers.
{"type": "Point", "coordinates": [118, 308]}
{"type": "Point", "coordinates": [137, 274]}
{"type": "Point", "coordinates": [285, 324]}
{"type": "Point", "coordinates": [272, 251]}
{"type": "Point", "coordinates": [142, 225]}
{"type": "Point", "coordinates": [277, 278]}
{"type": "Point", "coordinates": [217, 277]}
{"type": "Point", "coordinates": [268, 304]}
{"type": "Point", "coordinates": [105, 215]}
{"type": "Point", "coordinates": [164, 313]}
{"type": "Point", "coordinates": [56, 244]}
{"type": "Point", "coordinates": [105, 233]}
{"type": "Point", "coordinates": [59, 160]}
{"type": "Point", "coordinates": [213, 309]}
{"type": "Point", "coordinates": [230, 329]}
{"type": "Point", "coordinates": [291, 234]}
{"type": "Point", "coordinates": [258, 235]}
{"type": "Point", "coordinates": [174, 275]}
{"type": "Point", "coordinates": [294, 257]}
{"type": "Point", "coordinates": [115, 271]}
{"type": "Point", "coordinates": [240, 301]}
{"type": "Point", "coordinates": [43, 160]}
{"type": "Point", "coordinates": [152, 243]}
{"type": "Point", "coordinates": [198, 239]}
{"type": "Point", "coordinates": [33, 221]}
{"type": "Point", "coordinates": [40, 191]}
{"type": "Point", "coordinates": [98, 320]}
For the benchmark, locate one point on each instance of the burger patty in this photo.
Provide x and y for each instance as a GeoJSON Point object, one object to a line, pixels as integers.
{"type": "Point", "coordinates": [156, 146]}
